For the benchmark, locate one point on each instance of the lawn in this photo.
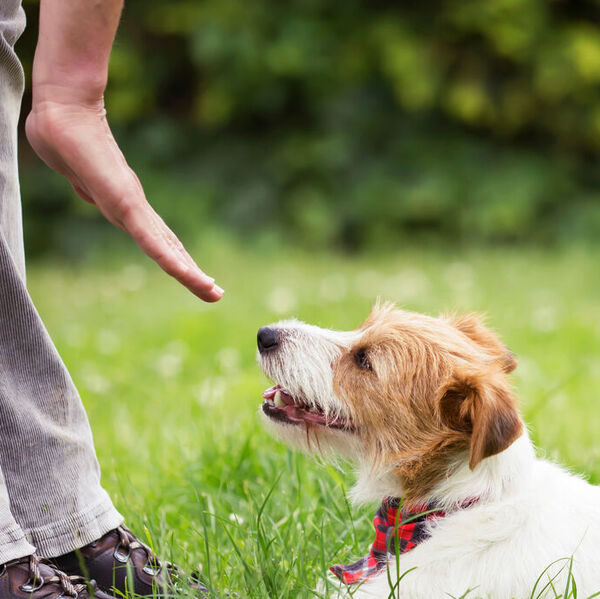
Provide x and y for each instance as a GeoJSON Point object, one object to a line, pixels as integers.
{"type": "Point", "coordinates": [172, 388]}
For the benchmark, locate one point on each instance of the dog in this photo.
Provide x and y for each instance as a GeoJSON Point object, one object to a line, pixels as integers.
{"type": "Point", "coordinates": [423, 408]}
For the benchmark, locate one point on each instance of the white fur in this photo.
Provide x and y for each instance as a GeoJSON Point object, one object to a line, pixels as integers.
{"type": "Point", "coordinates": [303, 361]}
{"type": "Point", "coordinates": [530, 514]}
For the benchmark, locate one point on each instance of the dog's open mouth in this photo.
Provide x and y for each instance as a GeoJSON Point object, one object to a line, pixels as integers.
{"type": "Point", "coordinates": [280, 405]}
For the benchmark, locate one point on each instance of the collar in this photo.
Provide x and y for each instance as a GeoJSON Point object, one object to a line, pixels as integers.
{"type": "Point", "coordinates": [392, 521]}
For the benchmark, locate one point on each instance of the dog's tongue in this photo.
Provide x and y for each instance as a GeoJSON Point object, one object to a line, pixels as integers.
{"type": "Point", "coordinates": [294, 411]}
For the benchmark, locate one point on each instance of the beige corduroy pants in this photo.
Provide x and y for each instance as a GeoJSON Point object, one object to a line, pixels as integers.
{"type": "Point", "coordinates": [51, 500]}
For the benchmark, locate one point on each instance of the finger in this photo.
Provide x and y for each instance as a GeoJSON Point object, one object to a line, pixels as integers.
{"type": "Point", "coordinates": [157, 241]}
{"type": "Point", "coordinates": [173, 241]}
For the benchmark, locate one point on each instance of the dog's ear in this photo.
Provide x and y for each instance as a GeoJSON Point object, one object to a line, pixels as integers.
{"type": "Point", "coordinates": [473, 327]}
{"type": "Point", "coordinates": [482, 407]}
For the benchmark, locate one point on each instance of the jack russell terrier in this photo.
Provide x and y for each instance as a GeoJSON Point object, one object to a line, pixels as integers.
{"type": "Point", "coordinates": [424, 409]}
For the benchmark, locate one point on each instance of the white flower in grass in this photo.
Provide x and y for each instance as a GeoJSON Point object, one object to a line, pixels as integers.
{"type": "Point", "coordinates": [229, 359]}
{"type": "Point", "coordinates": [178, 346]}
{"type": "Point", "coordinates": [169, 365]}
{"type": "Point", "coordinates": [528, 371]}
{"type": "Point", "coordinates": [459, 273]}
{"type": "Point", "coordinates": [110, 292]}
{"type": "Point", "coordinates": [544, 319]}
{"type": "Point", "coordinates": [281, 300]}
{"type": "Point", "coordinates": [107, 342]}
{"type": "Point", "coordinates": [210, 391]}
{"type": "Point", "coordinates": [408, 285]}
{"type": "Point", "coordinates": [461, 281]}
{"type": "Point", "coordinates": [333, 287]}
{"type": "Point", "coordinates": [593, 366]}
{"type": "Point", "coordinates": [74, 335]}
{"type": "Point", "coordinates": [133, 277]}
{"type": "Point", "coordinates": [95, 382]}
{"type": "Point", "coordinates": [236, 518]}
{"type": "Point", "coordinates": [368, 284]}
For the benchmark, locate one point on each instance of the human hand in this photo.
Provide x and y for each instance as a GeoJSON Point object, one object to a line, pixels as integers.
{"type": "Point", "coordinates": [74, 139]}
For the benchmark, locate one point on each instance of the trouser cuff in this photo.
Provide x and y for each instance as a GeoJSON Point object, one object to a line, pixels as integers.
{"type": "Point", "coordinates": [75, 531]}
{"type": "Point", "coordinates": [14, 545]}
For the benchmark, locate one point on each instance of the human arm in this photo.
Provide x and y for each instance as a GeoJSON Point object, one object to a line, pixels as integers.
{"type": "Point", "coordinates": [68, 129]}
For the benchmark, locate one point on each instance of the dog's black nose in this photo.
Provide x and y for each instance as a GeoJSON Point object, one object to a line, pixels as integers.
{"type": "Point", "coordinates": [266, 339]}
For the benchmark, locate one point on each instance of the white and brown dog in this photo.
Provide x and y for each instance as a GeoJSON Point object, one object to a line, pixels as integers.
{"type": "Point", "coordinates": [423, 407]}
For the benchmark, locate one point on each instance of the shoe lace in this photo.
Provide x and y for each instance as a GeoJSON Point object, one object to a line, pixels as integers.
{"type": "Point", "coordinates": [153, 566]}
{"type": "Point", "coordinates": [128, 542]}
{"type": "Point", "coordinates": [70, 585]}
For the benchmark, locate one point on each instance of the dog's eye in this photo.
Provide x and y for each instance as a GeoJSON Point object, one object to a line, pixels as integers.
{"type": "Point", "coordinates": [362, 360]}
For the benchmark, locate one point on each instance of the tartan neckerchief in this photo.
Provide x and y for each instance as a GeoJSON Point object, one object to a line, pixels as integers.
{"type": "Point", "coordinates": [414, 531]}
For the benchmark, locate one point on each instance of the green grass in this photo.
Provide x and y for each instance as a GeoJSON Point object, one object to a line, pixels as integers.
{"type": "Point", "coordinates": [172, 388]}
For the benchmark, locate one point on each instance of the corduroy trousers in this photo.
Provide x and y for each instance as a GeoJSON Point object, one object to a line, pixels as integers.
{"type": "Point", "coordinates": [51, 500]}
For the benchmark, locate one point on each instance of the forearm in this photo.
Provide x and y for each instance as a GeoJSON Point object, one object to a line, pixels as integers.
{"type": "Point", "coordinates": [73, 50]}
{"type": "Point", "coordinates": [68, 129]}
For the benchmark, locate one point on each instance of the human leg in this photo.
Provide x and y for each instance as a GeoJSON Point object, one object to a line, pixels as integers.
{"type": "Point", "coordinates": [50, 491]}
{"type": "Point", "coordinates": [47, 458]}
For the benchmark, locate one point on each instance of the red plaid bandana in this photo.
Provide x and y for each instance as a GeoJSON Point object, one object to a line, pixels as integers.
{"type": "Point", "coordinates": [410, 528]}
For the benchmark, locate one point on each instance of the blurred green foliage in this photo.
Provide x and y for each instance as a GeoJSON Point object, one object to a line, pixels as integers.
{"type": "Point", "coordinates": [353, 123]}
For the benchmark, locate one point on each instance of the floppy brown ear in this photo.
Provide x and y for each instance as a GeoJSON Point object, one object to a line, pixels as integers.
{"type": "Point", "coordinates": [484, 407]}
{"type": "Point", "coordinates": [473, 327]}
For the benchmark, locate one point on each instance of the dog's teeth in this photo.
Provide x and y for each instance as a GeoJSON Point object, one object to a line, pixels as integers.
{"type": "Point", "coordinates": [278, 401]}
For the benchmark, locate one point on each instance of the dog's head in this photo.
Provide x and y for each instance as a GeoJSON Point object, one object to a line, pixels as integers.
{"type": "Point", "coordinates": [406, 394]}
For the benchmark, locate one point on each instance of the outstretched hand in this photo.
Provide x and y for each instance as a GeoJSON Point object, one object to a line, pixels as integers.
{"type": "Point", "coordinates": [75, 140]}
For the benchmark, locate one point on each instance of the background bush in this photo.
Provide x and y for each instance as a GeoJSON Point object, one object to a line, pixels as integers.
{"type": "Point", "coordinates": [350, 123]}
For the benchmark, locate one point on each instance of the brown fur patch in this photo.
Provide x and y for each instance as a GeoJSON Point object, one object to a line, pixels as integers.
{"type": "Point", "coordinates": [483, 405]}
{"type": "Point", "coordinates": [472, 325]}
{"type": "Point", "coordinates": [423, 391]}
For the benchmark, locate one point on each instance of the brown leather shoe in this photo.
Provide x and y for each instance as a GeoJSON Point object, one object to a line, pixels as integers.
{"type": "Point", "coordinates": [109, 560]}
{"type": "Point", "coordinates": [34, 578]}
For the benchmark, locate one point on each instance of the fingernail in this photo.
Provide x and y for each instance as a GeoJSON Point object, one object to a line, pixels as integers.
{"type": "Point", "coordinates": [219, 290]}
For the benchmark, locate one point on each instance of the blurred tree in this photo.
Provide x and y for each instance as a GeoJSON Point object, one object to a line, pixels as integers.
{"type": "Point", "coordinates": [356, 123]}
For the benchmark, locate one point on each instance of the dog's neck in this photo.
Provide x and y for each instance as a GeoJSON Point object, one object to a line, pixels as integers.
{"type": "Point", "coordinates": [491, 479]}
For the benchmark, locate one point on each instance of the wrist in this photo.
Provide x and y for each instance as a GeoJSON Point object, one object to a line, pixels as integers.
{"type": "Point", "coordinates": [84, 93]}
{"type": "Point", "coordinates": [72, 54]}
